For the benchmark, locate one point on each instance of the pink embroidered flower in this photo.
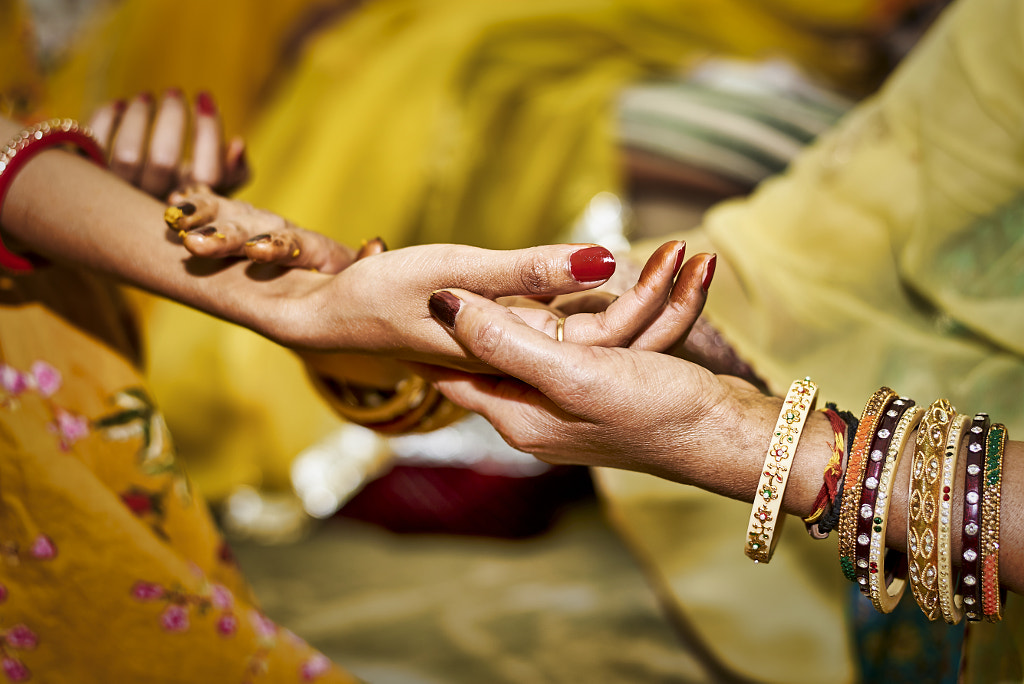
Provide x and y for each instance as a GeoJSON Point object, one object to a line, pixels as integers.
{"type": "Point", "coordinates": [220, 597]}
{"type": "Point", "coordinates": [16, 670]}
{"type": "Point", "coordinates": [227, 624]}
{"type": "Point", "coordinates": [317, 665]}
{"type": "Point", "coordinates": [43, 548]}
{"type": "Point", "coordinates": [70, 427]}
{"type": "Point", "coordinates": [147, 591]}
{"type": "Point", "coordinates": [264, 626]}
{"type": "Point", "coordinates": [175, 618]}
{"type": "Point", "coordinates": [12, 380]}
{"type": "Point", "coordinates": [21, 637]}
{"type": "Point", "coordinates": [48, 379]}
{"type": "Point", "coordinates": [3, 593]}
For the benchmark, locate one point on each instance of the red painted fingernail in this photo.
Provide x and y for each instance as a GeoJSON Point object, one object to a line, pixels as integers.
{"type": "Point", "coordinates": [679, 257]}
{"type": "Point", "coordinates": [119, 106]}
{"type": "Point", "coordinates": [206, 231]}
{"type": "Point", "coordinates": [145, 97]}
{"type": "Point", "coordinates": [709, 272]}
{"type": "Point", "coordinates": [444, 306]}
{"type": "Point", "coordinates": [174, 92]}
{"type": "Point", "coordinates": [591, 264]}
{"type": "Point", "coordinates": [187, 208]}
{"type": "Point", "coordinates": [204, 103]}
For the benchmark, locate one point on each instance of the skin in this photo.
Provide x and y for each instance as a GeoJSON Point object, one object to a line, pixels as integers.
{"type": "Point", "coordinates": [654, 413]}
{"type": "Point", "coordinates": [59, 207]}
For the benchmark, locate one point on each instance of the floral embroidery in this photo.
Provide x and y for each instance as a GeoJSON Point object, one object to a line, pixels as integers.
{"type": "Point", "coordinates": [136, 416]}
{"type": "Point", "coordinates": [69, 427]}
{"type": "Point", "coordinates": [176, 617]}
{"type": "Point", "coordinates": [47, 379]}
{"type": "Point", "coordinates": [12, 380]}
{"type": "Point", "coordinates": [43, 548]}
{"type": "Point", "coordinates": [317, 665]}
{"type": "Point", "coordinates": [17, 638]}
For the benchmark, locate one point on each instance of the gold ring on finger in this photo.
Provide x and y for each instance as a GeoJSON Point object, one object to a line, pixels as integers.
{"type": "Point", "coordinates": [560, 329]}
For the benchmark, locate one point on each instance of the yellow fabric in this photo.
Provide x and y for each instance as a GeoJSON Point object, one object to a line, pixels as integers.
{"type": "Point", "coordinates": [111, 569]}
{"type": "Point", "coordinates": [486, 123]}
{"type": "Point", "coordinates": [892, 252]}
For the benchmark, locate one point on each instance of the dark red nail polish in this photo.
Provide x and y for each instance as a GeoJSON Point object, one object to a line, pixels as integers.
{"type": "Point", "coordinates": [119, 106]}
{"type": "Point", "coordinates": [145, 97]}
{"type": "Point", "coordinates": [591, 264]}
{"type": "Point", "coordinates": [206, 231]}
{"type": "Point", "coordinates": [174, 92]}
{"type": "Point", "coordinates": [187, 208]}
{"type": "Point", "coordinates": [679, 257]}
{"type": "Point", "coordinates": [709, 272]}
{"type": "Point", "coordinates": [204, 104]}
{"type": "Point", "coordinates": [444, 306]}
{"type": "Point", "coordinates": [262, 237]}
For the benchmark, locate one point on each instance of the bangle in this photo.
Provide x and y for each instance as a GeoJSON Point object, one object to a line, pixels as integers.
{"type": "Point", "coordinates": [885, 587]}
{"type": "Point", "coordinates": [949, 601]}
{"type": "Point", "coordinates": [993, 596]}
{"type": "Point", "coordinates": [923, 517]}
{"type": "Point", "coordinates": [414, 405]}
{"type": "Point", "coordinates": [872, 495]}
{"type": "Point", "coordinates": [833, 471]}
{"type": "Point", "coordinates": [27, 144]}
{"type": "Point", "coordinates": [765, 515]}
{"type": "Point", "coordinates": [970, 553]}
{"type": "Point", "coordinates": [830, 518]}
{"type": "Point", "coordinates": [853, 479]}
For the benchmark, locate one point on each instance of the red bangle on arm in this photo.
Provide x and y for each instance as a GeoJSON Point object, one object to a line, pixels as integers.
{"type": "Point", "coordinates": [26, 145]}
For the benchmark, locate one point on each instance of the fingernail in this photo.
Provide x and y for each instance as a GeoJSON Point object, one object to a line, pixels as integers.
{"type": "Point", "coordinates": [119, 106]}
{"type": "Point", "coordinates": [145, 97]}
{"type": "Point", "coordinates": [383, 245]}
{"type": "Point", "coordinates": [679, 257]}
{"type": "Point", "coordinates": [262, 237]}
{"type": "Point", "coordinates": [208, 231]}
{"type": "Point", "coordinates": [173, 92]}
{"type": "Point", "coordinates": [204, 103]}
{"type": "Point", "coordinates": [444, 306]}
{"type": "Point", "coordinates": [592, 263]}
{"type": "Point", "coordinates": [709, 272]}
{"type": "Point", "coordinates": [187, 208]}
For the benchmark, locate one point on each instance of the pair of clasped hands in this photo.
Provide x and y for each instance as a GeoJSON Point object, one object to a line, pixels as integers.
{"type": "Point", "coordinates": [602, 395]}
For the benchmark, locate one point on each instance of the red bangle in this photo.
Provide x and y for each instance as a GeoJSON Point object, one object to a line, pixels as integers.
{"type": "Point", "coordinates": [970, 564]}
{"type": "Point", "coordinates": [26, 145]}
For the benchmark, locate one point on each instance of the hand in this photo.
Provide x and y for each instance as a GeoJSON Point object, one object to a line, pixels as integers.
{"type": "Point", "coordinates": [146, 144]}
{"type": "Point", "coordinates": [624, 408]}
{"type": "Point", "coordinates": [650, 315]}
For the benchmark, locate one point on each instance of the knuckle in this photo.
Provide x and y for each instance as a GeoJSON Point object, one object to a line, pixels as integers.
{"type": "Point", "coordinates": [536, 275]}
{"type": "Point", "coordinates": [487, 340]}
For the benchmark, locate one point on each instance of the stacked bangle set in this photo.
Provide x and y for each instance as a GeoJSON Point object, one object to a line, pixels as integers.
{"type": "Point", "coordinates": [858, 487]}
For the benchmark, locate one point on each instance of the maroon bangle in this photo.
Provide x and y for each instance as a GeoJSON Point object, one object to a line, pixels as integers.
{"type": "Point", "coordinates": [869, 493]}
{"type": "Point", "coordinates": [26, 145]}
{"type": "Point", "coordinates": [970, 559]}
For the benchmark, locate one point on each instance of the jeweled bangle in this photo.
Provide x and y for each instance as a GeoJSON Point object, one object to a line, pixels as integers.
{"type": "Point", "coordinates": [950, 602]}
{"type": "Point", "coordinates": [853, 479]}
{"type": "Point", "coordinates": [993, 595]}
{"type": "Point", "coordinates": [887, 578]}
{"type": "Point", "coordinates": [864, 565]}
{"type": "Point", "coordinates": [765, 515]}
{"type": "Point", "coordinates": [26, 145]}
{"type": "Point", "coordinates": [923, 508]}
{"type": "Point", "coordinates": [970, 552]}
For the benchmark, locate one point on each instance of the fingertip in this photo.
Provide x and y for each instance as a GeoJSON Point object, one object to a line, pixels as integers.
{"type": "Point", "coordinates": [709, 272]}
{"type": "Point", "coordinates": [592, 264]}
{"type": "Point", "coordinates": [680, 255]}
{"type": "Point", "coordinates": [444, 306]}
